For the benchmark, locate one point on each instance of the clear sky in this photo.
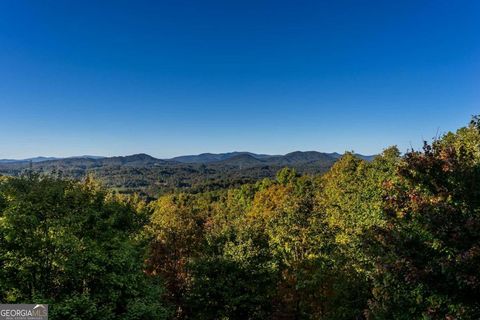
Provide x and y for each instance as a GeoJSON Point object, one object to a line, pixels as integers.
{"type": "Point", "coordinates": [181, 77]}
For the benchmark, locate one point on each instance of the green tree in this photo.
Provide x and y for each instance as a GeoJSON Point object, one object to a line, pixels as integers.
{"type": "Point", "coordinates": [75, 247]}
{"type": "Point", "coordinates": [237, 282]}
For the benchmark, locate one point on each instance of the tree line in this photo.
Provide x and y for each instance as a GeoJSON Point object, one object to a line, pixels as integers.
{"type": "Point", "coordinates": [394, 238]}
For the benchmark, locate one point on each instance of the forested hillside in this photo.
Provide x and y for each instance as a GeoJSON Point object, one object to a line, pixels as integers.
{"type": "Point", "coordinates": [149, 176]}
{"type": "Point", "coordinates": [397, 237]}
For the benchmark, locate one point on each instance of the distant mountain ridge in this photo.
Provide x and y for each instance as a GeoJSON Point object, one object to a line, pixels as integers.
{"type": "Point", "coordinates": [213, 157]}
{"type": "Point", "coordinates": [35, 159]}
{"type": "Point", "coordinates": [203, 158]}
{"type": "Point", "coordinates": [41, 159]}
{"type": "Point", "coordinates": [292, 157]}
{"type": "Point", "coordinates": [149, 176]}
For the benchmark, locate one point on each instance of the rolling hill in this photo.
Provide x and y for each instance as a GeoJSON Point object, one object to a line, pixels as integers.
{"type": "Point", "coordinates": [150, 176]}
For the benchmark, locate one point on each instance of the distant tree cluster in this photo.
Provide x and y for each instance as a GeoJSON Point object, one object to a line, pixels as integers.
{"type": "Point", "coordinates": [393, 238]}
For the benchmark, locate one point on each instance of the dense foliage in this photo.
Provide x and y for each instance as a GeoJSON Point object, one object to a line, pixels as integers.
{"type": "Point", "coordinates": [393, 238]}
{"type": "Point", "coordinates": [75, 247]}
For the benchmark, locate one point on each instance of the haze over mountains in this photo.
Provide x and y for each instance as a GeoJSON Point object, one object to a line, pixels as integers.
{"type": "Point", "coordinates": [150, 176]}
{"type": "Point", "coordinates": [205, 157]}
{"type": "Point", "coordinates": [41, 159]}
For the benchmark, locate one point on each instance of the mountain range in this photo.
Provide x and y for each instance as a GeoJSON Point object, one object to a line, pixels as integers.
{"type": "Point", "coordinates": [41, 159]}
{"type": "Point", "coordinates": [202, 158]}
{"type": "Point", "coordinates": [150, 176]}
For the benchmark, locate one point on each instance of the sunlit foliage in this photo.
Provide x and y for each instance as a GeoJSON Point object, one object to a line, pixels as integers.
{"type": "Point", "coordinates": [397, 237]}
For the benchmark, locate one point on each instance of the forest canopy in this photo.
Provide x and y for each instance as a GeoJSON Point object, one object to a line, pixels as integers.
{"type": "Point", "coordinates": [393, 238]}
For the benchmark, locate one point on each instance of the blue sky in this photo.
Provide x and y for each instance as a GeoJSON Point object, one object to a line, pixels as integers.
{"type": "Point", "coordinates": [182, 77]}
